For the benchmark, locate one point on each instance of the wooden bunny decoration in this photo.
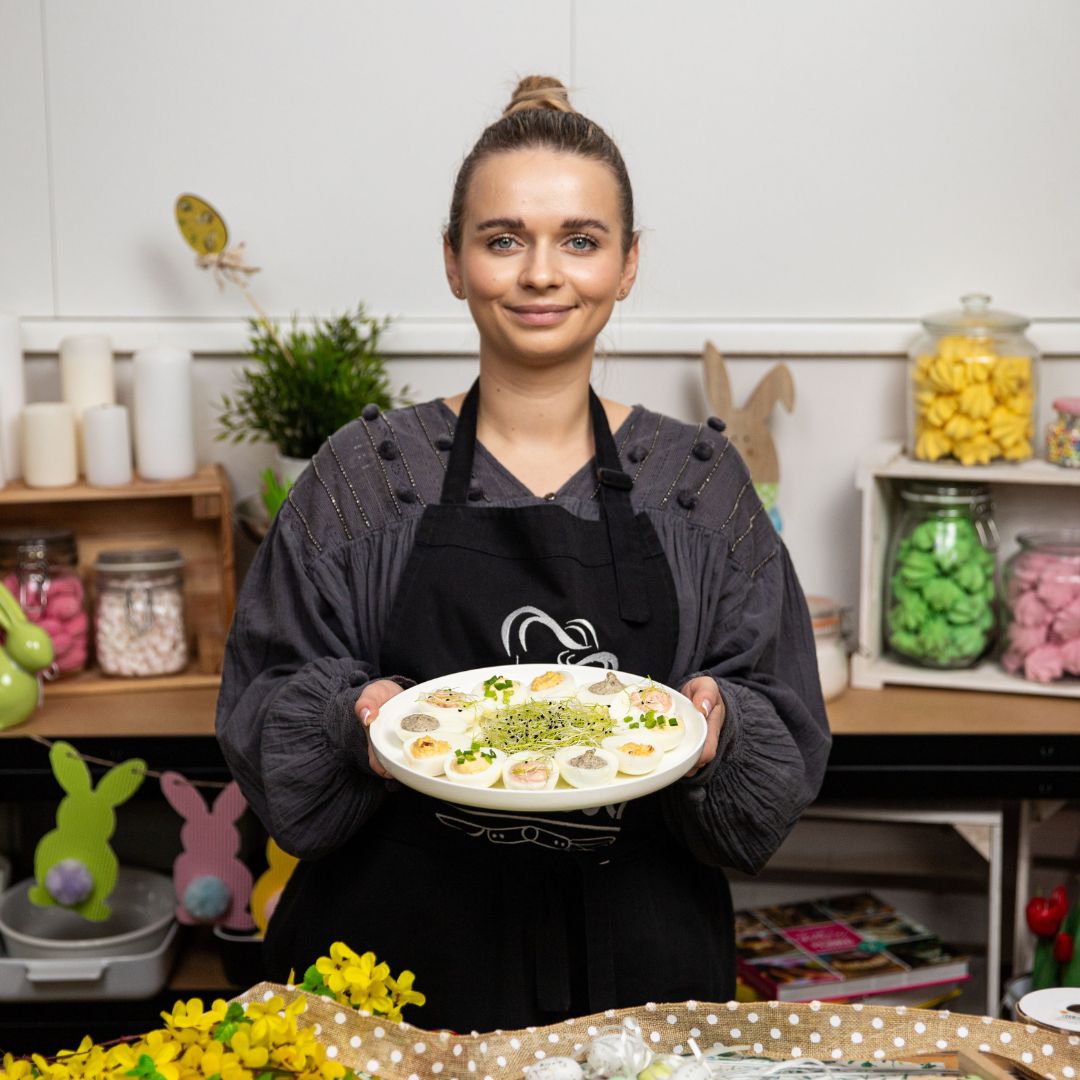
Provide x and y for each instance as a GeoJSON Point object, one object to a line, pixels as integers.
{"type": "Point", "coordinates": [748, 427]}
{"type": "Point", "coordinates": [26, 650]}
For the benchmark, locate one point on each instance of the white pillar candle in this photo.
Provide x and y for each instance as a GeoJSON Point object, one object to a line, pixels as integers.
{"type": "Point", "coordinates": [86, 378]}
{"type": "Point", "coordinates": [164, 425]}
{"type": "Point", "coordinates": [48, 445]}
{"type": "Point", "coordinates": [107, 444]}
{"type": "Point", "coordinates": [12, 393]}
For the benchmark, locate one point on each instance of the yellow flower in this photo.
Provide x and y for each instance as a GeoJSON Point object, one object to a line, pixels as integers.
{"type": "Point", "coordinates": [191, 1014]}
{"type": "Point", "coordinates": [251, 1056]}
{"type": "Point", "coordinates": [16, 1069]}
{"type": "Point", "coordinates": [404, 994]}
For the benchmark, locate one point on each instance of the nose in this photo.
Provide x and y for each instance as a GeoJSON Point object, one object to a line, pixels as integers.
{"type": "Point", "coordinates": [540, 269]}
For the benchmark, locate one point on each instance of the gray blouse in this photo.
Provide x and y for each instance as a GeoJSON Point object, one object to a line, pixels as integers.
{"type": "Point", "coordinates": [315, 605]}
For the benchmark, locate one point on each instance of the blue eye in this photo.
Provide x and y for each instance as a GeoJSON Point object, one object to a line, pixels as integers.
{"type": "Point", "coordinates": [495, 245]}
{"type": "Point", "coordinates": [589, 241]}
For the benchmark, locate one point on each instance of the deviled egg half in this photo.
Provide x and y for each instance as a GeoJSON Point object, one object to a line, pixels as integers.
{"type": "Point", "coordinates": [427, 753]}
{"type": "Point", "coordinates": [587, 766]}
{"type": "Point", "coordinates": [477, 766]}
{"type": "Point", "coordinates": [637, 755]}
{"type": "Point", "coordinates": [552, 684]}
{"type": "Point", "coordinates": [414, 724]}
{"type": "Point", "coordinates": [499, 692]}
{"type": "Point", "coordinates": [526, 771]}
{"type": "Point", "coordinates": [664, 729]}
{"type": "Point", "coordinates": [455, 710]}
{"type": "Point", "coordinates": [610, 691]}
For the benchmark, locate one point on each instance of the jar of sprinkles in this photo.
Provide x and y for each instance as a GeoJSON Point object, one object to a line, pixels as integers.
{"type": "Point", "coordinates": [139, 612]}
{"type": "Point", "coordinates": [1063, 435]}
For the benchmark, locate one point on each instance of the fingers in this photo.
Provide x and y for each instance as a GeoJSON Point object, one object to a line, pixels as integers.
{"type": "Point", "coordinates": [705, 694]}
{"type": "Point", "coordinates": [374, 696]}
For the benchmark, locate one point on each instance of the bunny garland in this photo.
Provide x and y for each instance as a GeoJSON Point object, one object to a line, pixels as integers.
{"type": "Point", "coordinates": [212, 884]}
{"type": "Point", "coordinates": [74, 866]}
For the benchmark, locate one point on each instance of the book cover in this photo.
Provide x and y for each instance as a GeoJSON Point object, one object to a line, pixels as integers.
{"type": "Point", "coordinates": [841, 947]}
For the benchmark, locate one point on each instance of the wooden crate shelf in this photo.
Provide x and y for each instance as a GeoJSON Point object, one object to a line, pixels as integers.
{"type": "Point", "coordinates": [193, 515]}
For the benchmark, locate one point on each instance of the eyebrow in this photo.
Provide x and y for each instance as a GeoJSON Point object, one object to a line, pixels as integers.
{"type": "Point", "coordinates": [517, 223]}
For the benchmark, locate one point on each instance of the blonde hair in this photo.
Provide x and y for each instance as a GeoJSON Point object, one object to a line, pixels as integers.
{"type": "Point", "coordinates": [540, 116]}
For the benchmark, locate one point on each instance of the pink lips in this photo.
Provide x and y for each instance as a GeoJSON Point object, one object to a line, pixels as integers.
{"type": "Point", "coordinates": [541, 314]}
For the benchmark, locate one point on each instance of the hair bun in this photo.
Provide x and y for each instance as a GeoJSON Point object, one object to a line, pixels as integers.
{"type": "Point", "coordinates": [539, 92]}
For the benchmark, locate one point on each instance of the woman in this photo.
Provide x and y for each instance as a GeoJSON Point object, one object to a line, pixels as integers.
{"type": "Point", "coordinates": [411, 548]}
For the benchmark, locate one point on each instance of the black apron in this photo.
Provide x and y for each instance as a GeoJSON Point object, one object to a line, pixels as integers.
{"type": "Point", "coordinates": [511, 919]}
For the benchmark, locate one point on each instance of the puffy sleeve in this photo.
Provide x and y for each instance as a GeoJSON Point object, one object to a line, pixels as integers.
{"type": "Point", "coordinates": [749, 628]}
{"type": "Point", "coordinates": [293, 670]}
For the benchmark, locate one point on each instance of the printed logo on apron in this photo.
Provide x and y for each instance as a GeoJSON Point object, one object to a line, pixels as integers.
{"type": "Point", "coordinates": [577, 636]}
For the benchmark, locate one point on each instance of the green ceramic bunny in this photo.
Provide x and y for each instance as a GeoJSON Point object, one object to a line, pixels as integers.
{"type": "Point", "coordinates": [84, 823]}
{"type": "Point", "coordinates": [27, 649]}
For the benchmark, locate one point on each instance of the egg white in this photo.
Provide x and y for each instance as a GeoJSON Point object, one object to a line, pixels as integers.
{"type": "Point", "coordinates": [433, 764]}
{"type": "Point", "coordinates": [407, 734]}
{"type": "Point", "coordinates": [583, 778]}
{"type": "Point", "coordinates": [565, 687]}
{"type": "Point", "coordinates": [667, 735]}
{"type": "Point", "coordinates": [631, 764]}
{"type": "Point", "coordinates": [485, 777]}
{"type": "Point", "coordinates": [499, 699]}
{"type": "Point", "coordinates": [458, 717]}
{"type": "Point", "coordinates": [514, 784]}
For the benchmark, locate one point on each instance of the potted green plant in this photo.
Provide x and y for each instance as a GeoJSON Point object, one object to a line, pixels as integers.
{"type": "Point", "coordinates": [303, 386]}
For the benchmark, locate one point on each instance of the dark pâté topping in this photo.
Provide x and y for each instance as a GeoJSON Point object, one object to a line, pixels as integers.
{"type": "Point", "coordinates": [419, 722]}
{"type": "Point", "coordinates": [589, 760]}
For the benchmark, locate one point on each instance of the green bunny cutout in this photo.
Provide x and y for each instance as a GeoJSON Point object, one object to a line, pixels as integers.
{"type": "Point", "coordinates": [84, 823]}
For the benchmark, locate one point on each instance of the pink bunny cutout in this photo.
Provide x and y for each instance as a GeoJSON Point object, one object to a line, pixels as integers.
{"type": "Point", "coordinates": [211, 842]}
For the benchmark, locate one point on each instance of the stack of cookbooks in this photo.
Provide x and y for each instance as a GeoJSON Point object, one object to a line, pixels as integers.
{"type": "Point", "coordinates": [844, 947]}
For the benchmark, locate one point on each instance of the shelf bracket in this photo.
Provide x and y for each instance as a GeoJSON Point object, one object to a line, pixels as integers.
{"type": "Point", "coordinates": [979, 837]}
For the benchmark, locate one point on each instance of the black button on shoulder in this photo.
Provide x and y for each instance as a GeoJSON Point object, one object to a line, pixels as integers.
{"type": "Point", "coordinates": [703, 450]}
{"type": "Point", "coordinates": [406, 495]}
{"type": "Point", "coordinates": [476, 493]}
{"type": "Point", "coordinates": [444, 442]}
{"type": "Point", "coordinates": [717, 424]}
{"type": "Point", "coordinates": [637, 453]}
{"type": "Point", "coordinates": [387, 450]}
{"type": "Point", "coordinates": [370, 412]}
{"type": "Point", "coordinates": [687, 499]}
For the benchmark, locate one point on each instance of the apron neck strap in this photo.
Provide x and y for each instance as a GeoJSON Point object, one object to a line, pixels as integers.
{"type": "Point", "coordinates": [615, 486]}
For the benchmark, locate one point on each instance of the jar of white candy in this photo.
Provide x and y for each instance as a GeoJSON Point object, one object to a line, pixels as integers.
{"type": "Point", "coordinates": [139, 614]}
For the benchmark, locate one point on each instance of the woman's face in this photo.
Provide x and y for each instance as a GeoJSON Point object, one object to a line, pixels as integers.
{"type": "Point", "coordinates": [541, 261]}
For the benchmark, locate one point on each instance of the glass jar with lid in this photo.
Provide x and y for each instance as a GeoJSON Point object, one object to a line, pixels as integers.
{"type": "Point", "coordinates": [974, 380]}
{"type": "Point", "coordinates": [139, 626]}
{"type": "Point", "coordinates": [1041, 583]}
{"type": "Point", "coordinates": [939, 591]}
{"type": "Point", "coordinates": [40, 568]}
{"type": "Point", "coordinates": [827, 620]}
{"type": "Point", "coordinates": [1063, 435]}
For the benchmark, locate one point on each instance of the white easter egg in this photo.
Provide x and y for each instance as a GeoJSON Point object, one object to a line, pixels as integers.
{"type": "Point", "coordinates": [555, 1068]}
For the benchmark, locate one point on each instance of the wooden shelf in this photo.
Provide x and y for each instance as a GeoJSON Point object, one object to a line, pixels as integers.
{"type": "Point", "coordinates": [205, 482]}
{"type": "Point", "coordinates": [92, 683]}
{"type": "Point", "coordinates": [910, 710]}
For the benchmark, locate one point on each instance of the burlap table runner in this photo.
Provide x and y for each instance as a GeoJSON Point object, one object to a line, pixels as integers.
{"type": "Point", "coordinates": [865, 1032]}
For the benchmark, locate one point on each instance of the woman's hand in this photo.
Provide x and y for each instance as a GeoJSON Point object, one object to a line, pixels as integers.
{"type": "Point", "coordinates": [375, 695]}
{"type": "Point", "coordinates": [705, 695]}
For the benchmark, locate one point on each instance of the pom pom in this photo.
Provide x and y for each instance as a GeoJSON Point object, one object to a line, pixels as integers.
{"type": "Point", "coordinates": [637, 453]}
{"type": "Point", "coordinates": [687, 499]}
{"type": "Point", "coordinates": [206, 898]}
{"type": "Point", "coordinates": [476, 493]}
{"type": "Point", "coordinates": [370, 412]}
{"type": "Point", "coordinates": [703, 451]}
{"type": "Point", "coordinates": [68, 882]}
{"type": "Point", "coordinates": [406, 495]}
{"type": "Point", "coordinates": [444, 442]}
{"type": "Point", "coordinates": [387, 450]}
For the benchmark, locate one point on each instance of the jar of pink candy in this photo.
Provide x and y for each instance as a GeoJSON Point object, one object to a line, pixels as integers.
{"type": "Point", "coordinates": [39, 567]}
{"type": "Point", "coordinates": [139, 613]}
{"type": "Point", "coordinates": [1042, 607]}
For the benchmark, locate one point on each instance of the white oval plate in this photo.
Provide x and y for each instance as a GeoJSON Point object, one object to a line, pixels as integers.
{"type": "Point", "coordinates": [563, 796]}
